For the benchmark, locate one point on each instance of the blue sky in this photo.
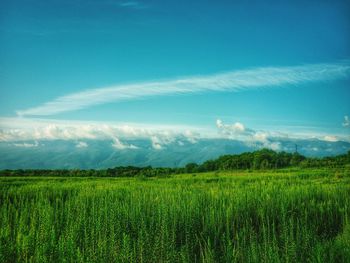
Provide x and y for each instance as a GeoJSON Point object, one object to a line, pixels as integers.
{"type": "Point", "coordinates": [53, 49]}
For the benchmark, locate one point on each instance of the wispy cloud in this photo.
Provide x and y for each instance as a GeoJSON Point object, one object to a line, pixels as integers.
{"type": "Point", "coordinates": [346, 122]}
{"type": "Point", "coordinates": [81, 145]}
{"type": "Point", "coordinates": [132, 4]}
{"type": "Point", "coordinates": [26, 145]}
{"type": "Point", "coordinates": [230, 81]}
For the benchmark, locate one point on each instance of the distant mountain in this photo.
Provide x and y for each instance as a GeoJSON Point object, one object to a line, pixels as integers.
{"type": "Point", "coordinates": [96, 154]}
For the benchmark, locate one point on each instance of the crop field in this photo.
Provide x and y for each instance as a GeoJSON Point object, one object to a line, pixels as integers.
{"type": "Point", "coordinates": [291, 215]}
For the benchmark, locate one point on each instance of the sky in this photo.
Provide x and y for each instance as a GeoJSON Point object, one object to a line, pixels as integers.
{"type": "Point", "coordinates": [200, 66]}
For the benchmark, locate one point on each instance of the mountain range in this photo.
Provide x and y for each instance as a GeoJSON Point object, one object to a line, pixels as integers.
{"type": "Point", "coordinates": [100, 154]}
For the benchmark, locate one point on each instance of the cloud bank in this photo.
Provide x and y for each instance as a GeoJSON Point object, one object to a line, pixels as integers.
{"type": "Point", "coordinates": [233, 81]}
{"type": "Point", "coordinates": [270, 139]}
{"type": "Point", "coordinates": [23, 132]}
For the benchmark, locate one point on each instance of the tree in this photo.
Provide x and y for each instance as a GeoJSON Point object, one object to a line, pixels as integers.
{"type": "Point", "coordinates": [191, 168]}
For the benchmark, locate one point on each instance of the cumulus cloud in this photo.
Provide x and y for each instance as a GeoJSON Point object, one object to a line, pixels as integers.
{"type": "Point", "coordinates": [22, 129]}
{"type": "Point", "coordinates": [230, 81]}
{"type": "Point", "coordinates": [156, 143]}
{"type": "Point", "coordinates": [346, 122]}
{"type": "Point", "coordinates": [271, 139]}
{"type": "Point", "coordinates": [122, 146]}
{"type": "Point", "coordinates": [160, 141]}
{"type": "Point", "coordinates": [238, 131]}
{"type": "Point", "coordinates": [21, 132]}
{"type": "Point", "coordinates": [232, 129]}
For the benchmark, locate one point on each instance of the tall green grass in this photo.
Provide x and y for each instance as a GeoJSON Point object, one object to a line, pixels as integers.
{"type": "Point", "coordinates": [287, 216]}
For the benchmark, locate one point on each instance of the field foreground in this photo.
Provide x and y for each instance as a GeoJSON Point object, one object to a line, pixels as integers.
{"type": "Point", "coordinates": [272, 216]}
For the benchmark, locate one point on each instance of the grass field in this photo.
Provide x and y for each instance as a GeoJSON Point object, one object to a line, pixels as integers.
{"type": "Point", "coordinates": [272, 216]}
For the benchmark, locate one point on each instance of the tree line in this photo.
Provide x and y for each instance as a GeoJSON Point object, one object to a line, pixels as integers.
{"type": "Point", "coordinates": [259, 160]}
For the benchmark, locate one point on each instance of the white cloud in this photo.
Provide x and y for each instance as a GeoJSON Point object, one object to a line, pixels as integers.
{"type": "Point", "coordinates": [19, 131]}
{"type": "Point", "coordinates": [238, 131]}
{"type": "Point", "coordinates": [330, 138]}
{"type": "Point", "coordinates": [156, 143]}
{"type": "Point", "coordinates": [191, 136]}
{"type": "Point", "coordinates": [159, 141]}
{"type": "Point", "coordinates": [121, 146]}
{"type": "Point", "coordinates": [230, 81]}
{"type": "Point", "coordinates": [27, 145]}
{"type": "Point", "coordinates": [276, 146]}
{"type": "Point", "coordinates": [81, 145]}
{"type": "Point", "coordinates": [268, 139]}
{"type": "Point", "coordinates": [132, 4]}
{"type": "Point", "coordinates": [234, 129]}
{"type": "Point", "coordinates": [346, 122]}
{"type": "Point", "coordinates": [22, 129]}
{"type": "Point", "coordinates": [260, 136]}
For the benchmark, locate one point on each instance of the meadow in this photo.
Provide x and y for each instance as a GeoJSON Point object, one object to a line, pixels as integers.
{"type": "Point", "coordinates": [291, 215]}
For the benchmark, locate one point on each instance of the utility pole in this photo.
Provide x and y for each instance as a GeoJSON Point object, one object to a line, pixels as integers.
{"type": "Point", "coordinates": [296, 148]}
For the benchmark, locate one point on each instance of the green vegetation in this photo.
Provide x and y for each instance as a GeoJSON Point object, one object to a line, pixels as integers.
{"type": "Point", "coordinates": [259, 160]}
{"type": "Point", "coordinates": [290, 215]}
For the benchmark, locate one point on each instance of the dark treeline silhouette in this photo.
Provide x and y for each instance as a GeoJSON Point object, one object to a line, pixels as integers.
{"type": "Point", "coordinates": [259, 160]}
